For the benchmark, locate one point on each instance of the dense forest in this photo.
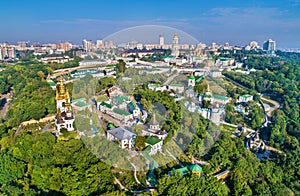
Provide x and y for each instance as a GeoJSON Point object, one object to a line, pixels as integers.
{"type": "Point", "coordinates": [279, 78]}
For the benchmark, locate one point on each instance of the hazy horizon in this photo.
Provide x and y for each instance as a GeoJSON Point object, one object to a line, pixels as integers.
{"type": "Point", "coordinates": [217, 21]}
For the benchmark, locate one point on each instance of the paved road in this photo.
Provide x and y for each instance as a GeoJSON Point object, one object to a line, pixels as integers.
{"type": "Point", "coordinates": [169, 80]}
{"type": "Point", "coordinates": [272, 109]}
{"type": "Point", "coordinates": [121, 185]}
{"type": "Point", "coordinates": [199, 161]}
{"type": "Point", "coordinates": [236, 126]}
{"type": "Point", "coordinates": [60, 72]}
{"type": "Point", "coordinates": [135, 176]}
{"type": "Point", "coordinates": [7, 104]}
{"type": "Point", "coordinates": [270, 148]}
{"type": "Point", "coordinates": [179, 163]}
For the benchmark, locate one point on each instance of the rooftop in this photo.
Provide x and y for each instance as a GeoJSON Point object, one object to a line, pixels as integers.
{"type": "Point", "coordinates": [177, 85]}
{"type": "Point", "coordinates": [182, 171]}
{"type": "Point", "coordinates": [220, 97]}
{"type": "Point", "coordinates": [192, 77]}
{"type": "Point", "coordinates": [81, 104]}
{"type": "Point", "coordinates": [216, 96]}
{"type": "Point", "coordinates": [121, 112]}
{"type": "Point", "coordinates": [154, 121]}
{"type": "Point", "coordinates": [152, 140]}
{"type": "Point", "coordinates": [200, 78]}
{"type": "Point", "coordinates": [154, 85]}
{"type": "Point", "coordinates": [119, 99]}
{"type": "Point", "coordinates": [246, 96]}
{"type": "Point", "coordinates": [106, 105]}
{"type": "Point", "coordinates": [121, 133]}
{"type": "Point", "coordinates": [51, 83]}
{"type": "Point", "coordinates": [196, 168]}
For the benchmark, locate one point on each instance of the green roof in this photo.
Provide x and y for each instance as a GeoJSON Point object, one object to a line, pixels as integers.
{"type": "Point", "coordinates": [170, 56]}
{"type": "Point", "coordinates": [121, 112]}
{"type": "Point", "coordinates": [225, 59]}
{"type": "Point", "coordinates": [51, 83]}
{"type": "Point", "coordinates": [221, 97]}
{"type": "Point", "coordinates": [110, 125]}
{"type": "Point", "coordinates": [246, 96]}
{"type": "Point", "coordinates": [216, 96]}
{"type": "Point", "coordinates": [196, 168]}
{"type": "Point", "coordinates": [183, 170]}
{"type": "Point", "coordinates": [155, 85]}
{"type": "Point", "coordinates": [177, 85]}
{"type": "Point", "coordinates": [132, 105]}
{"type": "Point", "coordinates": [200, 78]}
{"type": "Point", "coordinates": [152, 140]}
{"type": "Point", "coordinates": [106, 105]}
{"type": "Point", "coordinates": [147, 149]}
{"type": "Point", "coordinates": [164, 67]}
{"type": "Point", "coordinates": [192, 77]}
{"type": "Point", "coordinates": [78, 100]}
{"type": "Point", "coordinates": [81, 103]}
{"type": "Point", "coordinates": [120, 99]}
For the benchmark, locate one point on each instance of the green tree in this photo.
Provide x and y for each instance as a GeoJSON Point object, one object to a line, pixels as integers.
{"type": "Point", "coordinates": [120, 67]}
{"type": "Point", "coordinates": [140, 142]}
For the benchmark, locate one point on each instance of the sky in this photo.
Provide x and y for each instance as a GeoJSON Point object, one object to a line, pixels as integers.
{"type": "Point", "coordinates": [220, 21]}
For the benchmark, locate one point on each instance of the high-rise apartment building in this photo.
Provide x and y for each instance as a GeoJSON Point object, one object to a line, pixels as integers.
{"type": "Point", "coordinates": [269, 45]}
{"type": "Point", "coordinates": [161, 40]}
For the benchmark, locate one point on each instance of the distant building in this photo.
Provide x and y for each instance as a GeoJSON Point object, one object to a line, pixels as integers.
{"type": "Point", "coordinates": [245, 98]}
{"type": "Point", "coordinates": [269, 45]}
{"type": "Point", "coordinates": [252, 46]}
{"type": "Point", "coordinates": [161, 40]}
{"type": "Point", "coordinates": [56, 59]}
{"type": "Point", "coordinates": [214, 98]}
{"type": "Point", "coordinates": [64, 46]}
{"type": "Point", "coordinates": [221, 62]}
{"type": "Point", "coordinates": [99, 44]}
{"type": "Point", "coordinates": [88, 46]}
{"type": "Point", "coordinates": [85, 63]}
{"type": "Point", "coordinates": [124, 137]}
{"type": "Point", "coordinates": [157, 87]}
{"type": "Point", "coordinates": [177, 88]}
{"type": "Point", "coordinates": [175, 46]}
{"type": "Point", "coordinates": [215, 74]}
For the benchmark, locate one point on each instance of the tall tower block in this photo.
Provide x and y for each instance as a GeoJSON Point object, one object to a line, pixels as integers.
{"type": "Point", "coordinates": [161, 40]}
{"type": "Point", "coordinates": [175, 39]}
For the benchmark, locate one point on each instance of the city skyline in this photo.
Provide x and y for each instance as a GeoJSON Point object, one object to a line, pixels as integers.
{"type": "Point", "coordinates": [235, 22]}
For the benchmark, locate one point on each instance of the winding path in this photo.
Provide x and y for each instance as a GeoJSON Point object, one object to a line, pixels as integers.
{"type": "Point", "coordinates": [171, 78]}
{"type": "Point", "coordinates": [135, 176]}
{"type": "Point", "coordinates": [121, 185]}
{"type": "Point", "coordinates": [272, 109]}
